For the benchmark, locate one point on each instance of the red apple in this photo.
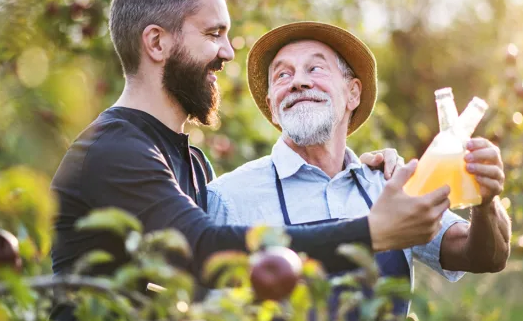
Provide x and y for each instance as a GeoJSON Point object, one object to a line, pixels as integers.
{"type": "Point", "coordinates": [274, 273]}
{"type": "Point", "coordinates": [9, 252]}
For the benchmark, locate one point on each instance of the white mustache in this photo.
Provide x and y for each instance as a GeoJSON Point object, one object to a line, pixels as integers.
{"type": "Point", "coordinates": [311, 94]}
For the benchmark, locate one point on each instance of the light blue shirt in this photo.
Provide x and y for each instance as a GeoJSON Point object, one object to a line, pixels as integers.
{"type": "Point", "coordinates": [248, 196]}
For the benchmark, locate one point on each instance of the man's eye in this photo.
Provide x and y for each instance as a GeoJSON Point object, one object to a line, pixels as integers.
{"type": "Point", "coordinates": [282, 75]}
{"type": "Point", "coordinates": [215, 35]}
{"type": "Point", "coordinates": [316, 68]}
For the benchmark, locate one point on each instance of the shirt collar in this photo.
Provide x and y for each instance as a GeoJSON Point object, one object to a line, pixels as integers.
{"type": "Point", "coordinates": [288, 162]}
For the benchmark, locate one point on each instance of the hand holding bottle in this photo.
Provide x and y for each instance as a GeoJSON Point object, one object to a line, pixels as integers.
{"type": "Point", "coordinates": [485, 163]}
{"type": "Point", "coordinates": [399, 221]}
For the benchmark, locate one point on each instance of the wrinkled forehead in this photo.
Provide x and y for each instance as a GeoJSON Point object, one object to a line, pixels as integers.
{"type": "Point", "coordinates": [303, 49]}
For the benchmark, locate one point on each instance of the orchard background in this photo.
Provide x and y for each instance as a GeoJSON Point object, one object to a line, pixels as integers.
{"type": "Point", "coordinates": [58, 71]}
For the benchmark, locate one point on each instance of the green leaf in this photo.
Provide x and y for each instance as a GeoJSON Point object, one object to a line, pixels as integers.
{"type": "Point", "coordinates": [110, 219]}
{"type": "Point", "coordinates": [92, 258]}
{"type": "Point", "coordinates": [358, 254]}
{"type": "Point", "coordinates": [27, 248]}
{"type": "Point", "coordinates": [362, 257]}
{"type": "Point", "coordinates": [317, 281]}
{"type": "Point", "coordinates": [25, 200]}
{"type": "Point", "coordinates": [127, 275]}
{"type": "Point", "coordinates": [265, 236]}
{"type": "Point", "coordinates": [233, 277]}
{"type": "Point", "coordinates": [346, 280]}
{"type": "Point", "coordinates": [268, 310]}
{"type": "Point", "coordinates": [98, 257]}
{"type": "Point", "coordinates": [220, 261]}
{"type": "Point", "coordinates": [348, 301]}
{"type": "Point", "coordinates": [132, 242]}
{"type": "Point", "coordinates": [169, 239]}
{"type": "Point", "coordinates": [301, 302]}
{"type": "Point", "coordinates": [20, 290]}
{"type": "Point", "coordinates": [313, 269]}
{"type": "Point", "coordinates": [370, 310]}
{"type": "Point", "coordinates": [390, 286]}
{"type": "Point", "coordinates": [4, 313]}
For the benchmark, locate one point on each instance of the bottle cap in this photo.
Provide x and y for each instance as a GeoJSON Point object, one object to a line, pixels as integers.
{"type": "Point", "coordinates": [480, 103]}
{"type": "Point", "coordinates": [444, 93]}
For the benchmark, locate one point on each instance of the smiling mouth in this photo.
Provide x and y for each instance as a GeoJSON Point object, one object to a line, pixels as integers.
{"type": "Point", "coordinates": [292, 104]}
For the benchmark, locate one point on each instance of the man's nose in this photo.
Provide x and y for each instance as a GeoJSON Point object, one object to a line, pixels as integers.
{"type": "Point", "coordinates": [301, 81]}
{"type": "Point", "coordinates": [226, 51]}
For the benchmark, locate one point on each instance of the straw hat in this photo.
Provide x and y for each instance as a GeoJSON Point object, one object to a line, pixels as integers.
{"type": "Point", "coordinates": [354, 51]}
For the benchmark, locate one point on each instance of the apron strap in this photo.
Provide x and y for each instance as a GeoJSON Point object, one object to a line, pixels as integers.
{"type": "Point", "coordinates": [283, 205]}
{"type": "Point", "coordinates": [362, 191]}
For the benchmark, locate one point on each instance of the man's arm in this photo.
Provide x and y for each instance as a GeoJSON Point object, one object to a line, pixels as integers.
{"type": "Point", "coordinates": [124, 169]}
{"type": "Point", "coordinates": [484, 245]}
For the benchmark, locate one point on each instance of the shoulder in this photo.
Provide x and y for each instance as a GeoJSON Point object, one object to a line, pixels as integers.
{"type": "Point", "coordinates": [114, 137]}
{"type": "Point", "coordinates": [111, 147]}
{"type": "Point", "coordinates": [373, 175]}
{"type": "Point", "coordinates": [233, 197]}
{"type": "Point", "coordinates": [248, 175]}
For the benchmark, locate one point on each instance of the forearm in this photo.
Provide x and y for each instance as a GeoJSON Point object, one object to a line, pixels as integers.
{"type": "Point", "coordinates": [320, 242]}
{"type": "Point", "coordinates": [488, 244]}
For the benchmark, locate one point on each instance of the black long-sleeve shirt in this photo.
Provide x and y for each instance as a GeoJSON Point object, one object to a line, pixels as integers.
{"type": "Point", "coordinates": [129, 159]}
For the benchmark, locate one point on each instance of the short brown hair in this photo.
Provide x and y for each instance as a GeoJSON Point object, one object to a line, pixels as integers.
{"type": "Point", "coordinates": [129, 18]}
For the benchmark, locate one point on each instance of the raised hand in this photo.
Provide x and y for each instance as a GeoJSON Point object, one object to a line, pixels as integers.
{"type": "Point", "coordinates": [386, 160]}
{"type": "Point", "coordinates": [399, 221]}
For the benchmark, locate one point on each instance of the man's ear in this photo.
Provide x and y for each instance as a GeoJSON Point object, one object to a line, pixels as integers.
{"type": "Point", "coordinates": [273, 112]}
{"type": "Point", "coordinates": [354, 94]}
{"type": "Point", "coordinates": [157, 43]}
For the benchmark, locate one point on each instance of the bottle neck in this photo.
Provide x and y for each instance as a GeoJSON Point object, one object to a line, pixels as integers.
{"type": "Point", "coordinates": [471, 116]}
{"type": "Point", "coordinates": [447, 113]}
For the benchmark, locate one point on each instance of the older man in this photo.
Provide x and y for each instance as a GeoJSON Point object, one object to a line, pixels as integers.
{"type": "Point", "coordinates": [317, 84]}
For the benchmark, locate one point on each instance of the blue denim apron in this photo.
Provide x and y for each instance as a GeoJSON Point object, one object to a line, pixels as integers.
{"type": "Point", "coordinates": [390, 263]}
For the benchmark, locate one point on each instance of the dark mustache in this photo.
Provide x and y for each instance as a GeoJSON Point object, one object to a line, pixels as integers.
{"type": "Point", "coordinates": [215, 65]}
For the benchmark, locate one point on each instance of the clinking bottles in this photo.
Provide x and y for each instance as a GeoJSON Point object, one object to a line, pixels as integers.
{"type": "Point", "coordinates": [443, 161]}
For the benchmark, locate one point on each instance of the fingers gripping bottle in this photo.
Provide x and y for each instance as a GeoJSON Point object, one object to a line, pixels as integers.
{"type": "Point", "coordinates": [443, 161]}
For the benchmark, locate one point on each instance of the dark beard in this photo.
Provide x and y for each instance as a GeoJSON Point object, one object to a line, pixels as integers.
{"type": "Point", "coordinates": [186, 82]}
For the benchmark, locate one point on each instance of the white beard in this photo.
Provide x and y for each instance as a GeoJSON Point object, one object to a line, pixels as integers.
{"type": "Point", "coordinates": [307, 123]}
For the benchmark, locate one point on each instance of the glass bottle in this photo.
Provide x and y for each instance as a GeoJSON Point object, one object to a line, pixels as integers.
{"type": "Point", "coordinates": [443, 162]}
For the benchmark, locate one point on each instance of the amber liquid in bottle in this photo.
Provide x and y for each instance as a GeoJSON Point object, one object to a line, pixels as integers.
{"type": "Point", "coordinates": [443, 163]}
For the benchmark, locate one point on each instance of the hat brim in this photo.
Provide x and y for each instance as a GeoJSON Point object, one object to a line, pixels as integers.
{"type": "Point", "coordinates": [353, 50]}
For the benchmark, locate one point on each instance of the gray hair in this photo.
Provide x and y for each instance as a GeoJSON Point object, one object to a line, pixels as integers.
{"type": "Point", "coordinates": [129, 18]}
{"type": "Point", "coordinates": [346, 70]}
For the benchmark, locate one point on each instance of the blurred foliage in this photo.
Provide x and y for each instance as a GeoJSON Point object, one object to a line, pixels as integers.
{"type": "Point", "coordinates": [58, 70]}
{"type": "Point", "coordinates": [118, 297]}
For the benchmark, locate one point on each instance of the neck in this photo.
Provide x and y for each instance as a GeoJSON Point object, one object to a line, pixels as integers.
{"type": "Point", "coordinates": [146, 93]}
{"type": "Point", "coordinates": [329, 156]}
